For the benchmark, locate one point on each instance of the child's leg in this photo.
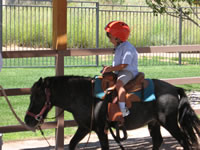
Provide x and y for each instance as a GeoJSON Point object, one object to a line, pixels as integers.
{"type": "Point", "coordinates": [122, 97]}
{"type": "Point", "coordinates": [121, 91]}
{"type": "Point", "coordinates": [123, 78]}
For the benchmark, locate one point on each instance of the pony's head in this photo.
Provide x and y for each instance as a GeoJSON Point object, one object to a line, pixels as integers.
{"type": "Point", "coordinates": [40, 104]}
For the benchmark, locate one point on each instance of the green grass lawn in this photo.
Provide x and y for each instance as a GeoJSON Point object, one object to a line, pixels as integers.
{"type": "Point", "coordinates": [25, 77]}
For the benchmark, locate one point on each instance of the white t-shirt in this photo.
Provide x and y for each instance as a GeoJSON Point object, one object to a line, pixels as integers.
{"type": "Point", "coordinates": [126, 53]}
{"type": "Point", "coordinates": [1, 61]}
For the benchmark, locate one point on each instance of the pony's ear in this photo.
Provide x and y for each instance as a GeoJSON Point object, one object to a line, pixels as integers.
{"type": "Point", "coordinates": [39, 82]}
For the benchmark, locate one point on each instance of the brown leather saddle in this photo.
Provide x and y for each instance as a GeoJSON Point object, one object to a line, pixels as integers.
{"type": "Point", "coordinates": [136, 84]}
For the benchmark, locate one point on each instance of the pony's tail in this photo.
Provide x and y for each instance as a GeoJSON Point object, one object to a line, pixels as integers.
{"type": "Point", "coordinates": [188, 120]}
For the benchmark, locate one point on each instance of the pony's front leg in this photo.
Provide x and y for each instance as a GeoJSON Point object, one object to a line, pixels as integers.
{"type": "Point", "coordinates": [103, 138]}
{"type": "Point", "coordinates": [79, 135]}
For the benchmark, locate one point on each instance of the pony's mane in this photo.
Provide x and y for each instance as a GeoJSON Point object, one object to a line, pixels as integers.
{"type": "Point", "coordinates": [69, 78]}
{"type": "Point", "coordinates": [72, 83]}
{"type": "Point", "coordinates": [68, 81]}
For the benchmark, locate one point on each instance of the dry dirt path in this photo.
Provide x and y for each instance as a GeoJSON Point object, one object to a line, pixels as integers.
{"type": "Point", "coordinates": [138, 139]}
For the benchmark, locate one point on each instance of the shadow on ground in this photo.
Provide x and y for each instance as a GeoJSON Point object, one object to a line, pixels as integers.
{"type": "Point", "coordinates": [130, 144]}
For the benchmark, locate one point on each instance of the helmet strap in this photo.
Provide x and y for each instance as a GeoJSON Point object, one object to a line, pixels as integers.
{"type": "Point", "coordinates": [118, 42]}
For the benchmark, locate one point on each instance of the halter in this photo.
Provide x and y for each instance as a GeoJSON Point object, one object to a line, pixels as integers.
{"type": "Point", "coordinates": [47, 106]}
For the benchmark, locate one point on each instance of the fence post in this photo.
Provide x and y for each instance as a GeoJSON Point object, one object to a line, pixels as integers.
{"type": "Point", "coordinates": [1, 33]}
{"type": "Point", "coordinates": [97, 31]}
{"type": "Point", "coordinates": [1, 141]}
{"type": "Point", "coordinates": [0, 54]}
{"type": "Point", "coordinates": [180, 33]}
{"type": "Point", "coordinates": [59, 43]}
{"type": "Point", "coordinates": [1, 26]}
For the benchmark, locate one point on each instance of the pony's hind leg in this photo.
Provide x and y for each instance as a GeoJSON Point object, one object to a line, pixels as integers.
{"type": "Point", "coordinates": [103, 138]}
{"type": "Point", "coordinates": [79, 135]}
{"type": "Point", "coordinates": [176, 132]}
{"type": "Point", "coordinates": [154, 130]}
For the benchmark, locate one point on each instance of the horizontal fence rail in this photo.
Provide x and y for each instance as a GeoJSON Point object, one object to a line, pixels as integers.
{"type": "Point", "coordinates": [46, 125]}
{"type": "Point", "coordinates": [190, 54]}
{"type": "Point", "coordinates": [100, 51]}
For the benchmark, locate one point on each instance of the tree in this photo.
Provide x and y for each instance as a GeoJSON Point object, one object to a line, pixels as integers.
{"type": "Point", "coordinates": [183, 8]}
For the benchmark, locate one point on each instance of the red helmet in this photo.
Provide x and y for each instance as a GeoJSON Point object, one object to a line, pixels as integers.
{"type": "Point", "coordinates": [118, 29]}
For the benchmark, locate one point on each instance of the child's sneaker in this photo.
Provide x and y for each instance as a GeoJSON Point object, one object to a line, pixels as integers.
{"type": "Point", "coordinates": [125, 112]}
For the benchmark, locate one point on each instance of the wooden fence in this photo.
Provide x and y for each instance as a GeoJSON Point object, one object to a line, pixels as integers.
{"type": "Point", "coordinates": [85, 52]}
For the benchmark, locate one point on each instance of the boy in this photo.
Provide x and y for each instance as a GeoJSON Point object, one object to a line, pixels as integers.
{"type": "Point", "coordinates": [125, 63]}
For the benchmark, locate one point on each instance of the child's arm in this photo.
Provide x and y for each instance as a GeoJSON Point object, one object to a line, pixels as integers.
{"type": "Point", "coordinates": [115, 68]}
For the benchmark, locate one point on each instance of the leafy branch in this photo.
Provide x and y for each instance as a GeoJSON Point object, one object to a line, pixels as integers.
{"type": "Point", "coordinates": [177, 8]}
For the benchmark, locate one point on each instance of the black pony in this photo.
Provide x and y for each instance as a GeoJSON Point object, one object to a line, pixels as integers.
{"type": "Point", "coordinates": [171, 110]}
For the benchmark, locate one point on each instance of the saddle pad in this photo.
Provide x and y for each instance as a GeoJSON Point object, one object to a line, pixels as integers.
{"type": "Point", "coordinates": [148, 92]}
{"type": "Point", "coordinates": [98, 91]}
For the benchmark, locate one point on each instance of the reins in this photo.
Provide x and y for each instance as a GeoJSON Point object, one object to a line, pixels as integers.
{"type": "Point", "coordinates": [117, 137]}
{"type": "Point", "coordinates": [56, 115]}
{"type": "Point", "coordinates": [13, 111]}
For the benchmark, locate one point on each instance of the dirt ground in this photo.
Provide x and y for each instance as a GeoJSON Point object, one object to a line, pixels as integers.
{"type": "Point", "coordinates": [138, 139]}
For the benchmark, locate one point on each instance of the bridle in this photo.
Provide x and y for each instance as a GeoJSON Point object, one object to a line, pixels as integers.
{"type": "Point", "coordinates": [47, 106]}
{"type": "Point", "coordinates": [39, 117]}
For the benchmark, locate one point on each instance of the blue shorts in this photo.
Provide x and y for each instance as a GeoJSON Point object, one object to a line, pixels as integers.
{"type": "Point", "coordinates": [125, 76]}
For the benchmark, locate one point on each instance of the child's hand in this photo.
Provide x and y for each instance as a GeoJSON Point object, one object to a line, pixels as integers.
{"type": "Point", "coordinates": [106, 69]}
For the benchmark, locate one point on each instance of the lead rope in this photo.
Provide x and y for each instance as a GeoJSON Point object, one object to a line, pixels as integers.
{"type": "Point", "coordinates": [90, 125]}
{"type": "Point", "coordinates": [14, 113]}
{"type": "Point", "coordinates": [92, 115]}
{"type": "Point", "coordinates": [19, 120]}
{"type": "Point", "coordinates": [44, 136]}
